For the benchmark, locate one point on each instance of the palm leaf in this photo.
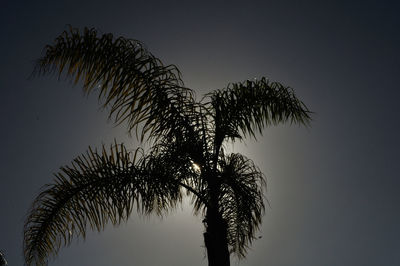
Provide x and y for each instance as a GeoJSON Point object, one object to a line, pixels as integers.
{"type": "Point", "coordinates": [241, 200]}
{"type": "Point", "coordinates": [136, 86]}
{"type": "Point", "coordinates": [246, 108]}
{"type": "Point", "coordinates": [3, 261]}
{"type": "Point", "coordinates": [97, 189]}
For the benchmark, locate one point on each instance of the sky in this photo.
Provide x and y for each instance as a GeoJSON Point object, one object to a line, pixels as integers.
{"type": "Point", "coordinates": [332, 188]}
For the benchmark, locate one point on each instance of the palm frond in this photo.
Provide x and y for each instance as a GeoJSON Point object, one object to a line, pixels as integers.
{"type": "Point", "coordinates": [98, 188]}
{"type": "Point", "coordinates": [95, 190]}
{"type": "Point", "coordinates": [136, 86]}
{"type": "Point", "coordinates": [241, 201]}
{"type": "Point", "coordinates": [3, 261]}
{"type": "Point", "coordinates": [248, 107]}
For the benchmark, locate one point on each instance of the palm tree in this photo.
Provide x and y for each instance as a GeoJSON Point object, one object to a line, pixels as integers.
{"type": "Point", "coordinates": [187, 154]}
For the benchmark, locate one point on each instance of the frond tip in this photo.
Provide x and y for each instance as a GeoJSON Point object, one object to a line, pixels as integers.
{"type": "Point", "coordinates": [3, 261]}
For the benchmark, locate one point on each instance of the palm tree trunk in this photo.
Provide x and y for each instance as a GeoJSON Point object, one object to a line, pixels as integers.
{"type": "Point", "coordinates": [215, 239]}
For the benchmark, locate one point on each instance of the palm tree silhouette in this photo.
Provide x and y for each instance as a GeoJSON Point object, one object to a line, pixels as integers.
{"type": "Point", "coordinates": [187, 155]}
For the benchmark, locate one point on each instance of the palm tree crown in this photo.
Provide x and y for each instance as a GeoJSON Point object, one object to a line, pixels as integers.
{"type": "Point", "coordinates": [186, 156]}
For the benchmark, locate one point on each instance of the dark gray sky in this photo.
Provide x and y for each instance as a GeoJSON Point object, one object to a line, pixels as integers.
{"type": "Point", "coordinates": [333, 188]}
